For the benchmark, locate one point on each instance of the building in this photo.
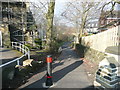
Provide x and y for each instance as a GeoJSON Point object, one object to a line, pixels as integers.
{"type": "Point", "coordinates": [16, 20]}
{"type": "Point", "coordinates": [92, 26]}
{"type": "Point", "coordinates": [108, 20]}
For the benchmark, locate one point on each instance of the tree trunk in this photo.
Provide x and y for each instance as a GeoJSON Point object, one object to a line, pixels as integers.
{"type": "Point", "coordinates": [82, 26]}
{"type": "Point", "coordinates": [49, 17]}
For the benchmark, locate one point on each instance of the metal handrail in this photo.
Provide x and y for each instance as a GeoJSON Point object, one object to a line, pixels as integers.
{"type": "Point", "coordinates": [22, 48]}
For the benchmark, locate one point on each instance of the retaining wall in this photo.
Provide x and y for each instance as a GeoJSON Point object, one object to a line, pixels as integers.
{"type": "Point", "coordinates": [102, 40]}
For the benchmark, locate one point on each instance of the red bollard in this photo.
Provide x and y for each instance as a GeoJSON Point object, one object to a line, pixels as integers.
{"type": "Point", "coordinates": [49, 81]}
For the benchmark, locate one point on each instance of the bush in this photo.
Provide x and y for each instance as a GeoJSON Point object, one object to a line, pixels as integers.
{"type": "Point", "coordinates": [29, 46]}
{"type": "Point", "coordinates": [55, 46]}
{"type": "Point", "coordinates": [38, 42]}
{"type": "Point", "coordinates": [81, 49]}
{"type": "Point", "coordinates": [89, 53]}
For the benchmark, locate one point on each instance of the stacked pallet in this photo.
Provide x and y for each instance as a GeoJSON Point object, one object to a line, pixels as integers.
{"type": "Point", "coordinates": [107, 76]}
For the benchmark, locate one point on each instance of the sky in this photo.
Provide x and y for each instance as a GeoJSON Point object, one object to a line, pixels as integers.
{"type": "Point", "coordinates": [60, 6]}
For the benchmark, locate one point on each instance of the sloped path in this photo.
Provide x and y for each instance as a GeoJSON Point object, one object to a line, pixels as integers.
{"type": "Point", "coordinates": [8, 55]}
{"type": "Point", "coordinates": [68, 72]}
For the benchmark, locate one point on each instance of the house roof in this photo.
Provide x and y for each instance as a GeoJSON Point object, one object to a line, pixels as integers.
{"type": "Point", "coordinates": [113, 23]}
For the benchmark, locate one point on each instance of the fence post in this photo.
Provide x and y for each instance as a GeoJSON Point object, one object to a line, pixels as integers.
{"type": "Point", "coordinates": [16, 45]}
{"type": "Point", "coordinates": [23, 49]}
{"type": "Point", "coordinates": [18, 62]}
{"type": "Point", "coordinates": [12, 44]}
{"type": "Point", "coordinates": [28, 54]}
{"type": "Point", "coordinates": [20, 47]}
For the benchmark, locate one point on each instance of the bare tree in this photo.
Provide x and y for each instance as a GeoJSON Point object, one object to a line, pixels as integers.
{"type": "Point", "coordinates": [80, 13]}
{"type": "Point", "coordinates": [39, 11]}
{"type": "Point", "coordinates": [108, 4]}
{"type": "Point", "coordinates": [108, 9]}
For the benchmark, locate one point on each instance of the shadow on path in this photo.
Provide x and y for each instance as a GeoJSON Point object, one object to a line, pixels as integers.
{"type": "Point", "coordinates": [7, 60]}
{"type": "Point", "coordinates": [58, 75]}
{"type": "Point", "coordinates": [61, 73]}
{"type": "Point", "coordinates": [5, 50]}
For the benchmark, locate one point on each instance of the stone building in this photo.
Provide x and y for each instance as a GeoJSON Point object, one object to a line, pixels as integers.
{"type": "Point", "coordinates": [16, 21]}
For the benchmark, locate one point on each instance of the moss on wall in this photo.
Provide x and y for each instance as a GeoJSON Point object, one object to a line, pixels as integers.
{"type": "Point", "coordinates": [89, 53]}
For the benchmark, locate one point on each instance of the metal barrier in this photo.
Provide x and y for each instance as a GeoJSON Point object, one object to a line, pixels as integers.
{"type": "Point", "coordinates": [20, 47]}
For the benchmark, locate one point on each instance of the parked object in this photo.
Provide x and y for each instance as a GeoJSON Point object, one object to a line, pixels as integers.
{"type": "Point", "coordinates": [107, 76]}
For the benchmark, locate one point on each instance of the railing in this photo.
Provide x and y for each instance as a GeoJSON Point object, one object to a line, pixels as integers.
{"type": "Point", "coordinates": [20, 47]}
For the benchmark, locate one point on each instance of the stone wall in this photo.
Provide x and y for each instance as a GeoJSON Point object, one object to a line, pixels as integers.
{"type": "Point", "coordinates": [5, 35]}
{"type": "Point", "coordinates": [90, 54]}
{"type": "Point", "coordinates": [93, 55]}
{"type": "Point", "coordinates": [102, 40]}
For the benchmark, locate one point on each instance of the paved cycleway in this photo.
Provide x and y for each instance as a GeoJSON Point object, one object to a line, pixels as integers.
{"type": "Point", "coordinates": [68, 72]}
{"type": "Point", "coordinates": [7, 54]}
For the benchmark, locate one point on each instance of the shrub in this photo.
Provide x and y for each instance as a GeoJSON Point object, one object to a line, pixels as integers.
{"type": "Point", "coordinates": [29, 46]}
{"type": "Point", "coordinates": [38, 42]}
{"type": "Point", "coordinates": [55, 46]}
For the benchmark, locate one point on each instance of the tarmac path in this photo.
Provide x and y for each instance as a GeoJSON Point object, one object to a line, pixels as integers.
{"type": "Point", "coordinates": [7, 54]}
{"type": "Point", "coordinates": [68, 72]}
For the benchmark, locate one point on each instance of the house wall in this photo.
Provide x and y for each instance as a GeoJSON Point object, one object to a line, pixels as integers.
{"type": "Point", "coordinates": [102, 40]}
